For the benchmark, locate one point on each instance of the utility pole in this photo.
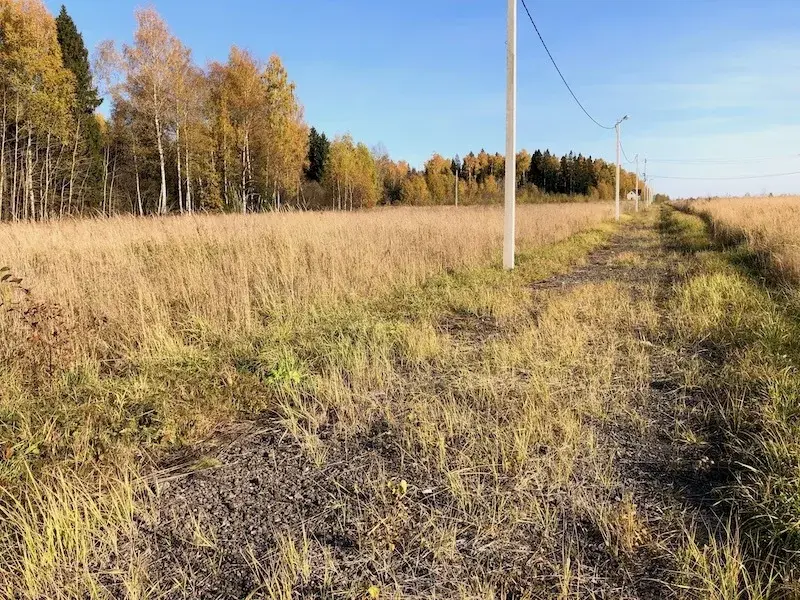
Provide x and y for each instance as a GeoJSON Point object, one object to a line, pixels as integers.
{"type": "Point", "coordinates": [511, 135]}
{"type": "Point", "coordinates": [456, 187]}
{"type": "Point", "coordinates": [637, 184]}
{"type": "Point", "coordinates": [646, 188]}
{"type": "Point", "coordinates": [616, 128]}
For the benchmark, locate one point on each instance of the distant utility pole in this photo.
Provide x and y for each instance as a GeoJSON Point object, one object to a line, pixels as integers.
{"type": "Point", "coordinates": [511, 135]}
{"type": "Point", "coordinates": [637, 183]}
{"type": "Point", "coordinates": [646, 188]}
{"type": "Point", "coordinates": [616, 127]}
{"type": "Point", "coordinates": [456, 188]}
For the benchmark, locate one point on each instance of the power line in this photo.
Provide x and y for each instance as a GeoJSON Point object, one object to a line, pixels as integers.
{"type": "Point", "coordinates": [715, 161]}
{"type": "Point", "coordinates": [559, 70]}
{"type": "Point", "coordinates": [727, 178]}
{"type": "Point", "coordinates": [628, 160]}
{"type": "Point", "coordinates": [721, 161]}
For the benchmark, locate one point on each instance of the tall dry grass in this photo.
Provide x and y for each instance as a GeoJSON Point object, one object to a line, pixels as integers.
{"type": "Point", "coordinates": [742, 337]}
{"type": "Point", "coordinates": [149, 280]}
{"type": "Point", "coordinates": [139, 336]}
{"type": "Point", "coordinates": [770, 226]}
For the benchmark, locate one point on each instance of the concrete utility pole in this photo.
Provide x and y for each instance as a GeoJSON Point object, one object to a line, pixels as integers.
{"type": "Point", "coordinates": [646, 188]}
{"type": "Point", "coordinates": [637, 184]}
{"type": "Point", "coordinates": [616, 128]}
{"type": "Point", "coordinates": [511, 135]}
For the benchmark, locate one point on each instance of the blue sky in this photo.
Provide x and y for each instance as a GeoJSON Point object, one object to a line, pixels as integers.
{"type": "Point", "coordinates": [708, 79]}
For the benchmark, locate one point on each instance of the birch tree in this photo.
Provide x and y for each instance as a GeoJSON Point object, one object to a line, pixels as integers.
{"type": "Point", "coordinates": [245, 95]}
{"type": "Point", "coordinates": [148, 68]}
{"type": "Point", "coordinates": [286, 135]}
{"type": "Point", "coordinates": [42, 93]}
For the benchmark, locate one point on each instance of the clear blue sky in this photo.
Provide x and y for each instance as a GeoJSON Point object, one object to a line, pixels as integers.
{"type": "Point", "coordinates": [699, 78]}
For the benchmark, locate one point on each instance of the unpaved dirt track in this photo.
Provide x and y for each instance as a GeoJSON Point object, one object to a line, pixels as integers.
{"type": "Point", "coordinates": [259, 486]}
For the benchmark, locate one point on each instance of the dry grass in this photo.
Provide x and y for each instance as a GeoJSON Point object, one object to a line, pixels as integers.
{"type": "Point", "coordinates": [155, 281]}
{"type": "Point", "coordinates": [393, 327]}
{"type": "Point", "coordinates": [139, 336]}
{"type": "Point", "coordinates": [770, 227]}
{"type": "Point", "coordinates": [742, 335]}
{"type": "Point", "coordinates": [470, 412]}
{"type": "Point", "coordinates": [145, 331]}
{"type": "Point", "coordinates": [498, 430]}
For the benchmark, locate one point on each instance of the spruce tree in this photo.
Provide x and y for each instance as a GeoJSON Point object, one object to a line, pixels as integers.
{"type": "Point", "coordinates": [318, 148]}
{"type": "Point", "coordinates": [76, 59]}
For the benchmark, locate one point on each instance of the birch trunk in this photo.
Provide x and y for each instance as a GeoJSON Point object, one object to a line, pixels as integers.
{"type": "Point", "coordinates": [189, 206]}
{"type": "Point", "coordinates": [111, 188]}
{"type": "Point", "coordinates": [14, 207]}
{"type": "Point", "coordinates": [45, 211]}
{"type": "Point", "coordinates": [74, 159]}
{"type": "Point", "coordinates": [105, 178]}
{"type": "Point", "coordinates": [138, 188]}
{"type": "Point", "coordinates": [178, 157]}
{"type": "Point", "coordinates": [80, 190]}
{"type": "Point", "coordinates": [29, 198]}
{"type": "Point", "coordinates": [225, 166]}
{"type": "Point", "coordinates": [61, 201]}
{"type": "Point", "coordinates": [162, 200]}
{"type": "Point", "coordinates": [40, 187]}
{"type": "Point", "coordinates": [3, 159]}
{"type": "Point", "coordinates": [54, 170]}
{"type": "Point", "coordinates": [244, 176]}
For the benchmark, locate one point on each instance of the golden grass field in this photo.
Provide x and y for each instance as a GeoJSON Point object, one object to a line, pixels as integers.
{"type": "Point", "coordinates": [151, 281]}
{"type": "Point", "coordinates": [440, 427]}
{"type": "Point", "coordinates": [769, 225]}
{"type": "Point", "coordinates": [141, 336]}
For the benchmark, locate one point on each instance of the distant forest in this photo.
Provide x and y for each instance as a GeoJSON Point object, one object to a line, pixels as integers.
{"type": "Point", "coordinates": [225, 137]}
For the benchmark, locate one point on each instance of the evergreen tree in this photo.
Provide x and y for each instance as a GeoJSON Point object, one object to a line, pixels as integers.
{"type": "Point", "coordinates": [455, 166]}
{"type": "Point", "coordinates": [76, 59]}
{"type": "Point", "coordinates": [535, 170]}
{"type": "Point", "coordinates": [563, 175]}
{"type": "Point", "coordinates": [318, 148]}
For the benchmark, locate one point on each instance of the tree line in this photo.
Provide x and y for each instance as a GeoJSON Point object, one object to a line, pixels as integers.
{"type": "Point", "coordinates": [229, 136]}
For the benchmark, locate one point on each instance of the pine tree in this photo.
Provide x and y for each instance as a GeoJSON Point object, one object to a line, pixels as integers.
{"type": "Point", "coordinates": [76, 58]}
{"type": "Point", "coordinates": [455, 166]}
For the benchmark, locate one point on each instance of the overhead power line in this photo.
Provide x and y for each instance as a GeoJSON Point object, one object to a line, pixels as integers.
{"type": "Point", "coordinates": [766, 176]}
{"type": "Point", "coordinates": [560, 74]}
{"type": "Point", "coordinates": [628, 160]}
{"type": "Point", "coordinates": [721, 161]}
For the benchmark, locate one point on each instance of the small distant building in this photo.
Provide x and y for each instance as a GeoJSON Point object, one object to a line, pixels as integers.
{"type": "Point", "coordinates": [632, 196]}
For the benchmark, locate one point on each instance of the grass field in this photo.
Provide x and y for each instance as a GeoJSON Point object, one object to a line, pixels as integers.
{"type": "Point", "coordinates": [749, 313]}
{"type": "Point", "coordinates": [365, 406]}
{"type": "Point", "coordinates": [769, 226]}
{"type": "Point", "coordinates": [139, 336]}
